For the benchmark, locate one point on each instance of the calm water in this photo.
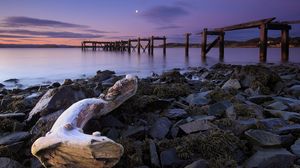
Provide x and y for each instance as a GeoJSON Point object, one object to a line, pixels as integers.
{"type": "Point", "coordinates": [37, 66]}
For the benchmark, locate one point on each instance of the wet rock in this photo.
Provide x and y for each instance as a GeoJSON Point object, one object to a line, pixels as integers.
{"type": "Point", "coordinates": [113, 134]}
{"type": "Point", "coordinates": [153, 155]}
{"type": "Point", "coordinates": [197, 125]}
{"type": "Point", "coordinates": [110, 82]}
{"type": "Point", "coordinates": [9, 163]}
{"type": "Point", "coordinates": [44, 124]}
{"type": "Point", "coordinates": [175, 113]}
{"type": "Point", "coordinates": [295, 90]}
{"type": "Point", "coordinates": [265, 158]}
{"type": "Point", "coordinates": [172, 90]}
{"type": "Point", "coordinates": [285, 115]}
{"type": "Point", "coordinates": [1, 85]}
{"type": "Point", "coordinates": [56, 99]}
{"type": "Point", "coordinates": [232, 84]}
{"type": "Point", "coordinates": [103, 75]}
{"type": "Point", "coordinates": [17, 116]}
{"type": "Point", "coordinates": [260, 99]}
{"type": "Point", "coordinates": [286, 100]}
{"type": "Point", "coordinates": [13, 150]}
{"type": "Point", "coordinates": [160, 128]}
{"type": "Point", "coordinates": [230, 113]}
{"type": "Point", "coordinates": [277, 106]}
{"type": "Point", "coordinates": [147, 103]}
{"type": "Point", "coordinates": [55, 85]}
{"type": "Point", "coordinates": [198, 164]}
{"type": "Point", "coordinates": [13, 137]}
{"type": "Point", "coordinates": [218, 109]}
{"type": "Point", "coordinates": [295, 148]}
{"type": "Point", "coordinates": [172, 77]}
{"type": "Point", "coordinates": [289, 129]}
{"type": "Point", "coordinates": [263, 138]}
{"type": "Point", "coordinates": [67, 82]}
{"type": "Point", "coordinates": [197, 99]}
{"type": "Point", "coordinates": [13, 80]}
{"type": "Point", "coordinates": [271, 123]}
{"type": "Point", "coordinates": [10, 125]}
{"type": "Point", "coordinates": [169, 158]}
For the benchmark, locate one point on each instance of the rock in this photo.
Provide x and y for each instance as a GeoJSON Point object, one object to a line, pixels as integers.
{"type": "Point", "coordinates": [172, 77]}
{"type": "Point", "coordinates": [111, 121]}
{"type": "Point", "coordinates": [263, 138]}
{"type": "Point", "coordinates": [232, 84]}
{"type": "Point", "coordinates": [295, 148]}
{"type": "Point", "coordinates": [285, 115]}
{"type": "Point", "coordinates": [67, 82]}
{"type": "Point", "coordinates": [198, 164]}
{"type": "Point", "coordinates": [260, 99]}
{"type": "Point", "coordinates": [147, 103]}
{"type": "Point", "coordinates": [13, 80]}
{"type": "Point", "coordinates": [218, 109]}
{"type": "Point", "coordinates": [44, 124]}
{"type": "Point", "coordinates": [153, 155]}
{"type": "Point", "coordinates": [17, 116]}
{"type": "Point", "coordinates": [230, 113]}
{"type": "Point", "coordinates": [55, 85]}
{"type": "Point", "coordinates": [113, 134]}
{"type": "Point", "coordinates": [160, 128]}
{"type": "Point", "coordinates": [9, 163]}
{"type": "Point", "coordinates": [197, 125]}
{"type": "Point", "coordinates": [295, 90]}
{"type": "Point", "coordinates": [133, 131]}
{"type": "Point", "coordinates": [169, 158]}
{"type": "Point", "coordinates": [1, 85]}
{"type": "Point", "coordinates": [286, 100]}
{"type": "Point", "coordinates": [277, 106]}
{"type": "Point", "coordinates": [14, 149]}
{"type": "Point", "coordinates": [271, 123]}
{"type": "Point", "coordinates": [240, 126]}
{"type": "Point", "coordinates": [265, 158]}
{"type": "Point", "coordinates": [175, 113]}
{"type": "Point", "coordinates": [172, 90]}
{"type": "Point", "coordinates": [289, 129]}
{"type": "Point", "coordinates": [197, 99]}
{"type": "Point", "coordinates": [56, 99]}
{"type": "Point", "coordinates": [103, 75]}
{"type": "Point", "coordinates": [13, 137]}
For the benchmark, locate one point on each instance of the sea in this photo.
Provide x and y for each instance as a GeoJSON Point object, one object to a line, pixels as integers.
{"type": "Point", "coordinates": [41, 66]}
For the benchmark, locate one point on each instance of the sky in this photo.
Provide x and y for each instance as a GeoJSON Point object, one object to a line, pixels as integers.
{"type": "Point", "coordinates": [71, 21]}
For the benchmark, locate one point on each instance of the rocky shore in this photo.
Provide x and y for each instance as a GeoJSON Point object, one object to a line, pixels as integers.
{"type": "Point", "coordinates": [225, 116]}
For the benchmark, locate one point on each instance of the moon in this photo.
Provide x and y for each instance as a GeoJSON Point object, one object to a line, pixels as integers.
{"type": "Point", "coordinates": [136, 11]}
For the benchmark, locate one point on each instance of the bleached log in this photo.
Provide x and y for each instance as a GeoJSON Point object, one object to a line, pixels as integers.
{"type": "Point", "coordinates": [65, 145]}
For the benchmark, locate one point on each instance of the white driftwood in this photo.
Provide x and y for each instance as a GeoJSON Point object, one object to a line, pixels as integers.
{"type": "Point", "coordinates": [65, 145]}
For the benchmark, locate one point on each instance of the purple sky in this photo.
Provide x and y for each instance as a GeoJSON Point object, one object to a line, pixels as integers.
{"type": "Point", "coordinates": [70, 21]}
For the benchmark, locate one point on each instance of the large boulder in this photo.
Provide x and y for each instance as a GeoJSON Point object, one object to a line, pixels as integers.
{"type": "Point", "coordinates": [263, 138]}
{"type": "Point", "coordinates": [232, 84]}
{"type": "Point", "coordinates": [9, 163]}
{"type": "Point", "coordinates": [160, 128]}
{"type": "Point", "coordinates": [56, 99]}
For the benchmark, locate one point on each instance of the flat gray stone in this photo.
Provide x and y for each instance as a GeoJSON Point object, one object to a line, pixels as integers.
{"type": "Point", "coordinates": [197, 99]}
{"type": "Point", "coordinates": [266, 158]}
{"type": "Point", "coordinates": [198, 164]}
{"type": "Point", "coordinates": [260, 99]}
{"type": "Point", "coordinates": [14, 137]}
{"type": "Point", "coordinates": [169, 157]}
{"type": "Point", "coordinates": [286, 100]}
{"type": "Point", "coordinates": [296, 148]}
{"type": "Point", "coordinates": [218, 109]}
{"type": "Point", "coordinates": [263, 138]}
{"type": "Point", "coordinates": [271, 123]}
{"type": "Point", "coordinates": [17, 116]}
{"type": "Point", "coordinates": [175, 113]}
{"type": "Point", "coordinates": [132, 131]}
{"type": "Point", "coordinates": [160, 128]}
{"type": "Point", "coordinates": [277, 106]}
{"type": "Point", "coordinates": [197, 125]}
{"type": "Point", "coordinates": [294, 128]}
{"type": "Point", "coordinates": [153, 155]}
{"type": "Point", "coordinates": [240, 126]}
{"type": "Point", "coordinates": [295, 90]}
{"type": "Point", "coordinates": [285, 115]}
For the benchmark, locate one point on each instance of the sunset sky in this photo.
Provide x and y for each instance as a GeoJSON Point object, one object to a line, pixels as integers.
{"type": "Point", "coordinates": [71, 21]}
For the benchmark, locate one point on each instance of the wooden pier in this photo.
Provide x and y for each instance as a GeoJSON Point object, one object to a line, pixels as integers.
{"type": "Point", "coordinates": [147, 44]}
{"type": "Point", "coordinates": [139, 44]}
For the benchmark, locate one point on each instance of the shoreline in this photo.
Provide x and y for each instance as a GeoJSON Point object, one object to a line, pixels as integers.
{"type": "Point", "coordinates": [230, 108]}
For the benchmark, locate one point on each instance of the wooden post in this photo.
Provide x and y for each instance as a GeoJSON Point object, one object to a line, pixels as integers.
{"type": "Point", "coordinates": [284, 45]}
{"type": "Point", "coordinates": [204, 43]}
{"type": "Point", "coordinates": [139, 45]}
{"type": "Point", "coordinates": [263, 43]}
{"type": "Point", "coordinates": [187, 43]}
{"type": "Point", "coordinates": [221, 46]}
{"type": "Point", "coordinates": [129, 46]}
{"type": "Point", "coordinates": [165, 45]}
{"type": "Point", "coordinates": [149, 46]}
{"type": "Point", "coordinates": [152, 45]}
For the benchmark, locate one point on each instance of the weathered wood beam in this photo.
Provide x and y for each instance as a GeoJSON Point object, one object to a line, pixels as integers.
{"type": "Point", "coordinates": [278, 26]}
{"type": "Point", "coordinates": [246, 25]}
{"type": "Point", "coordinates": [211, 45]}
{"type": "Point", "coordinates": [291, 22]}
